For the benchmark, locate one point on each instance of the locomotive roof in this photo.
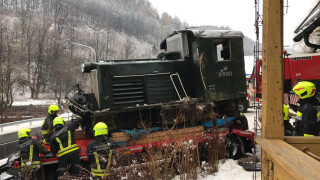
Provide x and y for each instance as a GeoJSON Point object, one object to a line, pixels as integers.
{"type": "Point", "coordinates": [216, 33]}
{"type": "Point", "coordinates": [205, 34]}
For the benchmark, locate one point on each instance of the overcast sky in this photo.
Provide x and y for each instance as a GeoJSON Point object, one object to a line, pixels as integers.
{"type": "Point", "coordinates": [237, 14]}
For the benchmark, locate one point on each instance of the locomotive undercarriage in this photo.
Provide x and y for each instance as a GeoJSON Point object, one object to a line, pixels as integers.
{"type": "Point", "coordinates": [187, 112]}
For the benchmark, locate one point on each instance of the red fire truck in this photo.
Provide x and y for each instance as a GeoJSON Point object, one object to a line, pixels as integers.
{"type": "Point", "coordinates": [300, 67]}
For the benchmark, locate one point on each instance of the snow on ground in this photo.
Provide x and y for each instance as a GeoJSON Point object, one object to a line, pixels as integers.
{"type": "Point", "coordinates": [228, 170]}
{"type": "Point", "coordinates": [231, 170]}
{"type": "Point", "coordinates": [250, 114]}
{"type": "Point", "coordinates": [23, 99]}
{"type": "Point", "coordinates": [27, 102]}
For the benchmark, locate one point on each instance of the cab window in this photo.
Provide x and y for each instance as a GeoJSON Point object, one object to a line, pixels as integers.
{"type": "Point", "coordinates": [221, 50]}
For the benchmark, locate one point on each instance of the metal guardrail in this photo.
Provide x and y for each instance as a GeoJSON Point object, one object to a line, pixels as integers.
{"type": "Point", "coordinates": [30, 121]}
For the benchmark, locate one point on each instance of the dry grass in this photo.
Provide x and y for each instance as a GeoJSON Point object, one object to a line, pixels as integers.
{"type": "Point", "coordinates": [29, 173]}
{"type": "Point", "coordinates": [216, 150]}
{"type": "Point", "coordinates": [187, 113]}
{"type": "Point", "coordinates": [184, 159]}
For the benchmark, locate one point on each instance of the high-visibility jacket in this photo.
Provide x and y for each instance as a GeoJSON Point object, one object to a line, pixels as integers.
{"type": "Point", "coordinates": [307, 118]}
{"type": "Point", "coordinates": [29, 149]}
{"type": "Point", "coordinates": [99, 152]}
{"type": "Point", "coordinates": [62, 140]}
{"type": "Point", "coordinates": [47, 127]}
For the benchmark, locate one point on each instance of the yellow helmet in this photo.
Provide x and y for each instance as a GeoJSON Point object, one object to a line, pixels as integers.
{"type": "Point", "coordinates": [58, 120]}
{"type": "Point", "coordinates": [100, 129]}
{"type": "Point", "coordinates": [305, 89]}
{"type": "Point", "coordinates": [286, 112]}
{"type": "Point", "coordinates": [53, 108]}
{"type": "Point", "coordinates": [24, 132]}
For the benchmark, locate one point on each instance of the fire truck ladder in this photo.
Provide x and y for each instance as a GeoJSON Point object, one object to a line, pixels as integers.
{"type": "Point", "coordinates": [175, 87]}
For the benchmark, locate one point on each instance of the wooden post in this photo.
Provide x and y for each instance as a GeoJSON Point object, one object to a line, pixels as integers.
{"type": "Point", "coordinates": [272, 70]}
{"type": "Point", "coordinates": [272, 78]}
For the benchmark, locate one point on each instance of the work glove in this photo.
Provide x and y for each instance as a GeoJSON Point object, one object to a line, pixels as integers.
{"type": "Point", "coordinates": [49, 155]}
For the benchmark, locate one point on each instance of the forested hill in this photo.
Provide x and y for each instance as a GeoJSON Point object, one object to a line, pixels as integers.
{"type": "Point", "coordinates": [40, 40]}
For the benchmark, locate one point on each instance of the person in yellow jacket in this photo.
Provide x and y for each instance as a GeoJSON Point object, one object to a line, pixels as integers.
{"type": "Point", "coordinates": [47, 127]}
{"type": "Point", "coordinates": [63, 144]}
{"type": "Point", "coordinates": [288, 128]}
{"type": "Point", "coordinates": [307, 123]}
{"type": "Point", "coordinates": [29, 150]}
{"type": "Point", "coordinates": [100, 150]}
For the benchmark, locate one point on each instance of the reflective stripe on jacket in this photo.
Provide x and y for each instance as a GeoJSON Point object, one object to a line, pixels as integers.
{"type": "Point", "coordinates": [33, 163]}
{"type": "Point", "coordinates": [29, 150]}
{"type": "Point", "coordinates": [99, 152]}
{"type": "Point", "coordinates": [98, 171]}
{"type": "Point", "coordinates": [62, 141]}
{"type": "Point", "coordinates": [69, 148]}
{"type": "Point", "coordinates": [299, 116]}
{"type": "Point", "coordinates": [307, 117]}
{"type": "Point", "coordinates": [47, 127]}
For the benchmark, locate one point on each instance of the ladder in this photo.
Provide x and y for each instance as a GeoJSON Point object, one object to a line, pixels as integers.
{"type": "Point", "coordinates": [175, 87]}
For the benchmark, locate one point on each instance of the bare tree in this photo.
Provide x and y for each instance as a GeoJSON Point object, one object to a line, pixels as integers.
{"type": "Point", "coordinates": [8, 61]}
{"type": "Point", "coordinates": [28, 33]}
{"type": "Point", "coordinates": [128, 48]}
{"type": "Point", "coordinates": [43, 26]}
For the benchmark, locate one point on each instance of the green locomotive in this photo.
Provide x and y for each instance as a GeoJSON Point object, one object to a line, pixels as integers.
{"type": "Point", "coordinates": [204, 68]}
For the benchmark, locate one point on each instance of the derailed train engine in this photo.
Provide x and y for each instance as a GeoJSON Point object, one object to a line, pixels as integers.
{"type": "Point", "coordinates": [200, 73]}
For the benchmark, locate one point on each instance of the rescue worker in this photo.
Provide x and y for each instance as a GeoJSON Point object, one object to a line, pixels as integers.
{"type": "Point", "coordinates": [307, 115]}
{"type": "Point", "coordinates": [241, 122]}
{"type": "Point", "coordinates": [288, 128]}
{"type": "Point", "coordinates": [29, 150]}
{"type": "Point", "coordinates": [63, 144]}
{"type": "Point", "coordinates": [99, 151]}
{"type": "Point", "coordinates": [47, 128]}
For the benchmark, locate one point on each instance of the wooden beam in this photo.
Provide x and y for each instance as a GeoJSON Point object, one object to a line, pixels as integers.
{"type": "Point", "coordinates": [302, 139]}
{"type": "Point", "coordinates": [272, 70]}
{"type": "Point", "coordinates": [299, 142]}
{"type": "Point", "coordinates": [294, 163]}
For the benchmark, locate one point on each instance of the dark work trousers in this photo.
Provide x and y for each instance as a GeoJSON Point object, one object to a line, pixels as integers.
{"type": "Point", "coordinates": [73, 160]}
{"type": "Point", "coordinates": [38, 174]}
